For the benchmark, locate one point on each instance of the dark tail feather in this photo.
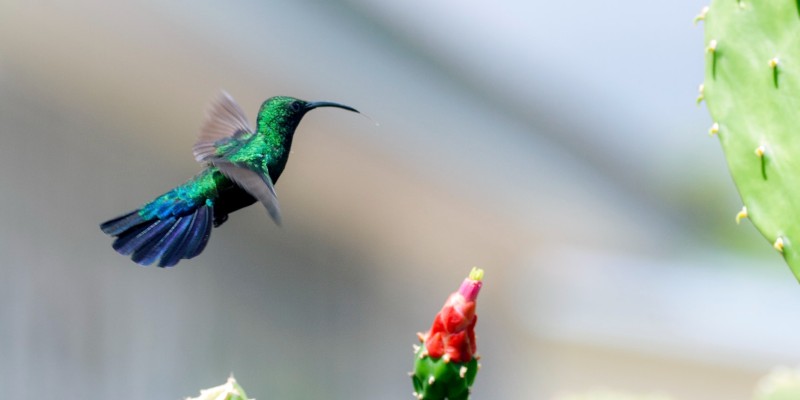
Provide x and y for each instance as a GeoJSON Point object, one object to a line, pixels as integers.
{"type": "Point", "coordinates": [129, 241]}
{"type": "Point", "coordinates": [198, 239]}
{"type": "Point", "coordinates": [170, 239]}
{"type": "Point", "coordinates": [148, 253]}
{"type": "Point", "coordinates": [122, 223]}
{"type": "Point", "coordinates": [175, 253]}
{"type": "Point", "coordinates": [194, 239]}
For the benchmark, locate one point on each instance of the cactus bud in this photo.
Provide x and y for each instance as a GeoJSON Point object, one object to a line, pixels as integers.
{"type": "Point", "coordinates": [228, 391]}
{"type": "Point", "coordinates": [445, 364]}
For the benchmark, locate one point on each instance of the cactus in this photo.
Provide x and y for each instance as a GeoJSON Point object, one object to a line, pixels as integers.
{"type": "Point", "coordinates": [445, 363]}
{"type": "Point", "coordinates": [781, 384]}
{"type": "Point", "coordinates": [228, 391]}
{"type": "Point", "coordinates": [752, 90]}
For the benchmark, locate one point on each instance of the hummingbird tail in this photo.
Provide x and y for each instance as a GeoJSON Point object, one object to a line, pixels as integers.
{"type": "Point", "coordinates": [168, 240]}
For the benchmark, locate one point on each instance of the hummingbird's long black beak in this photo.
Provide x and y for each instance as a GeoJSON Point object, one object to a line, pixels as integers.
{"type": "Point", "coordinates": [316, 104]}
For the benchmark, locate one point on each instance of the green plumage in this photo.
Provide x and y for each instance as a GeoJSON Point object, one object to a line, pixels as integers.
{"type": "Point", "coordinates": [267, 149]}
{"type": "Point", "coordinates": [202, 189]}
{"type": "Point", "coordinates": [241, 167]}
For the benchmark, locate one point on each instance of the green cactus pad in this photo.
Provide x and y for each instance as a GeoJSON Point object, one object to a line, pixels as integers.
{"type": "Point", "coordinates": [752, 89]}
{"type": "Point", "coordinates": [436, 379]}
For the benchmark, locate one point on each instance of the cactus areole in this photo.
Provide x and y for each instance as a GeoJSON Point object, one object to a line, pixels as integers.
{"type": "Point", "coordinates": [752, 90]}
{"type": "Point", "coordinates": [446, 363]}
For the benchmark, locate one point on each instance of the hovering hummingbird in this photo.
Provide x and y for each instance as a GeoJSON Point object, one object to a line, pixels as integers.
{"type": "Point", "coordinates": [241, 166]}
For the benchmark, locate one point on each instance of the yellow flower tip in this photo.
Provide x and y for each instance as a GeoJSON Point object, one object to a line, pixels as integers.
{"type": "Point", "coordinates": [431, 380]}
{"type": "Point", "coordinates": [700, 93]}
{"type": "Point", "coordinates": [741, 214]}
{"type": "Point", "coordinates": [446, 358]}
{"type": "Point", "coordinates": [462, 372]}
{"type": "Point", "coordinates": [476, 274]}
{"type": "Point", "coordinates": [778, 245]}
{"type": "Point", "coordinates": [702, 15]}
{"type": "Point", "coordinates": [714, 129]}
{"type": "Point", "coordinates": [760, 150]}
{"type": "Point", "coordinates": [773, 62]}
{"type": "Point", "coordinates": [712, 46]}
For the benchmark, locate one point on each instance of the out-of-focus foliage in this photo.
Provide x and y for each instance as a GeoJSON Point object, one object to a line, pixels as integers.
{"type": "Point", "coordinates": [782, 384]}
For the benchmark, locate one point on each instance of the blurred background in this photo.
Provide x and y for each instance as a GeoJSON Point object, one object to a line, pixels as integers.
{"type": "Point", "coordinates": [557, 145]}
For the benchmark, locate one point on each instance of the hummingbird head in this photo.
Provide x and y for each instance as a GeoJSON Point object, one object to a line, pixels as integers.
{"type": "Point", "coordinates": [286, 112]}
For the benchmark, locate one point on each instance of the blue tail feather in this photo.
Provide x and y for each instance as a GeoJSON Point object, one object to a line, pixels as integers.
{"type": "Point", "coordinates": [194, 240]}
{"type": "Point", "coordinates": [198, 238]}
{"type": "Point", "coordinates": [124, 238]}
{"type": "Point", "coordinates": [170, 239]}
{"type": "Point", "coordinates": [152, 232]}
{"type": "Point", "coordinates": [146, 255]}
{"type": "Point", "coordinates": [122, 223]}
{"type": "Point", "coordinates": [176, 252]}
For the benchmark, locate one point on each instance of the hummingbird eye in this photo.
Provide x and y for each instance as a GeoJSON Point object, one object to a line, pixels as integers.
{"type": "Point", "coordinates": [296, 106]}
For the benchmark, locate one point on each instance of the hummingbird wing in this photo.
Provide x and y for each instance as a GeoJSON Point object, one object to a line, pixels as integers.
{"type": "Point", "coordinates": [225, 128]}
{"type": "Point", "coordinates": [258, 184]}
{"type": "Point", "coordinates": [225, 131]}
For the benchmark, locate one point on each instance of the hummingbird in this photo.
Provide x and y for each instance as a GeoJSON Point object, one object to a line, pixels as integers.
{"type": "Point", "coordinates": [242, 166]}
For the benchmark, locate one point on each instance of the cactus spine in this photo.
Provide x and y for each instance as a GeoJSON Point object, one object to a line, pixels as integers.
{"type": "Point", "coordinates": [445, 363]}
{"type": "Point", "coordinates": [752, 90]}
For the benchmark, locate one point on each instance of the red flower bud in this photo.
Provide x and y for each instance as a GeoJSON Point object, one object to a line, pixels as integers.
{"type": "Point", "coordinates": [452, 335]}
